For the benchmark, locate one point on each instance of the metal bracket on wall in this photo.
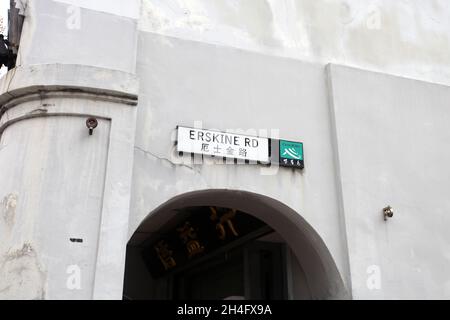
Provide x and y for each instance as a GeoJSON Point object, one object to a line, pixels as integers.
{"type": "Point", "coordinates": [91, 124]}
{"type": "Point", "coordinates": [388, 212]}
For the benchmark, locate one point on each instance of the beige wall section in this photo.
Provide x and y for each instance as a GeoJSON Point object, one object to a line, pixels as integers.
{"type": "Point", "coordinates": [406, 38]}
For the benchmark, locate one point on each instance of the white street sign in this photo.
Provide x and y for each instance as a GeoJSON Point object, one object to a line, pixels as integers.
{"type": "Point", "coordinates": [223, 144]}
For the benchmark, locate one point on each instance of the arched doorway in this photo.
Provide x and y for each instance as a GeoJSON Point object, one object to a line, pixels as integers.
{"type": "Point", "coordinates": [227, 244]}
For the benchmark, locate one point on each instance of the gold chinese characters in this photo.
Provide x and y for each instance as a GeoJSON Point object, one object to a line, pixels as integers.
{"type": "Point", "coordinates": [224, 220]}
{"type": "Point", "coordinates": [165, 255]}
{"type": "Point", "coordinates": [189, 237]}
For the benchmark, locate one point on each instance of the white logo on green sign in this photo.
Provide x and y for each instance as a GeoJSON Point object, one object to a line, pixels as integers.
{"type": "Point", "coordinates": [291, 150]}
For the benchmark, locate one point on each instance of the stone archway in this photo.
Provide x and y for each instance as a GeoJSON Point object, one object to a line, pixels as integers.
{"type": "Point", "coordinates": [321, 273]}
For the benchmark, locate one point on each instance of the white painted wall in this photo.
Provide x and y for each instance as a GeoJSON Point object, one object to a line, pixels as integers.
{"type": "Point", "coordinates": [407, 38]}
{"type": "Point", "coordinates": [50, 196]}
{"type": "Point", "coordinates": [129, 8]}
{"type": "Point", "coordinates": [392, 140]}
{"type": "Point", "coordinates": [57, 182]}
{"type": "Point", "coordinates": [57, 32]}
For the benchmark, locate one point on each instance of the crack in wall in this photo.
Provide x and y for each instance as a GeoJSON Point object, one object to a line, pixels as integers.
{"type": "Point", "coordinates": [167, 160]}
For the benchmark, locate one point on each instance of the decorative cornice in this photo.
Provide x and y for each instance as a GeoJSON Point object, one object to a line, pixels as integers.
{"type": "Point", "coordinates": [43, 81]}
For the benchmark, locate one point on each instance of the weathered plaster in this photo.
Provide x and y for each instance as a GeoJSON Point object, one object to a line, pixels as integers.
{"type": "Point", "coordinates": [47, 150]}
{"type": "Point", "coordinates": [8, 209]}
{"type": "Point", "coordinates": [22, 275]}
{"type": "Point", "coordinates": [53, 32]}
{"type": "Point", "coordinates": [406, 38]}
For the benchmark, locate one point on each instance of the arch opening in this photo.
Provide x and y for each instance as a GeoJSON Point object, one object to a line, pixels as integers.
{"type": "Point", "coordinates": [226, 244]}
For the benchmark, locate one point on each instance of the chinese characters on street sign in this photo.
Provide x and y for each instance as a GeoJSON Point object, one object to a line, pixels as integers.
{"type": "Point", "coordinates": [221, 144]}
{"type": "Point", "coordinates": [238, 146]}
{"type": "Point", "coordinates": [291, 154]}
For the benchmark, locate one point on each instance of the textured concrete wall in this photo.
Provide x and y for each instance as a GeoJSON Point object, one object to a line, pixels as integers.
{"type": "Point", "coordinates": [392, 136]}
{"type": "Point", "coordinates": [58, 32]}
{"type": "Point", "coordinates": [57, 182]}
{"type": "Point", "coordinates": [408, 38]}
{"type": "Point", "coordinates": [51, 197]}
{"type": "Point", "coordinates": [64, 194]}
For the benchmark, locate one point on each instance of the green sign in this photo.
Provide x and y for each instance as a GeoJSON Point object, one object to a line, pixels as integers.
{"type": "Point", "coordinates": [291, 154]}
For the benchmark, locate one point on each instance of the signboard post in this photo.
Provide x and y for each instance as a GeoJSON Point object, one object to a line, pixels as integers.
{"type": "Point", "coordinates": [291, 154]}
